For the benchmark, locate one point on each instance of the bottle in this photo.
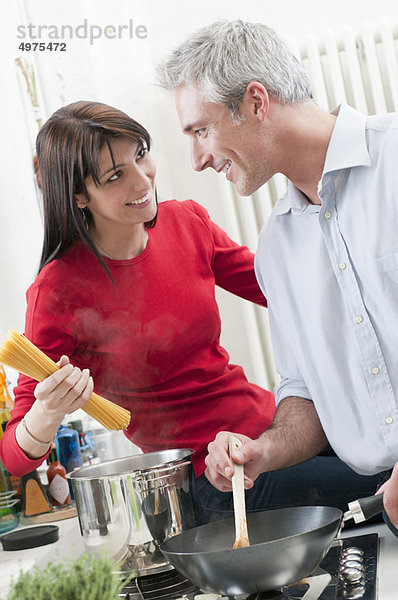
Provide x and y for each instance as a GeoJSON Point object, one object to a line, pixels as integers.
{"type": "Point", "coordinates": [67, 441]}
{"type": "Point", "coordinates": [58, 487]}
{"type": "Point", "coordinates": [5, 483]}
{"type": "Point", "coordinates": [6, 402]}
{"type": "Point", "coordinates": [69, 448]}
{"type": "Point", "coordinates": [15, 481]}
{"type": "Point", "coordinates": [87, 449]}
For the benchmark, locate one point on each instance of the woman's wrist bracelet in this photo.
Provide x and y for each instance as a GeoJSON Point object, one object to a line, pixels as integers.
{"type": "Point", "coordinates": [33, 438]}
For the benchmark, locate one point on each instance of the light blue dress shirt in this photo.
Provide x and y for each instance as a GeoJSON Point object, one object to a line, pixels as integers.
{"type": "Point", "coordinates": [330, 274]}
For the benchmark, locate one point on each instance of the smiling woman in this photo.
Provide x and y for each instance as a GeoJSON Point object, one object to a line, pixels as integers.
{"type": "Point", "coordinates": [91, 140]}
{"type": "Point", "coordinates": [123, 200]}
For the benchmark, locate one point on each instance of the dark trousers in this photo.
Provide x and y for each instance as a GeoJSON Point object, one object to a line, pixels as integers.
{"type": "Point", "coordinates": [323, 480]}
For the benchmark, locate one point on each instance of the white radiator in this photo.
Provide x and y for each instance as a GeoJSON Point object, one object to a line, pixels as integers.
{"type": "Point", "coordinates": [359, 67]}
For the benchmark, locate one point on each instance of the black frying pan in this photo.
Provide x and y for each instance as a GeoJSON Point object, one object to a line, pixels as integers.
{"type": "Point", "coordinates": [286, 545]}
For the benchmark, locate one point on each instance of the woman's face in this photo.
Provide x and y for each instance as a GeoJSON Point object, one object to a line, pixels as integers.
{"type": "Point", "coordinates": [125, 195]}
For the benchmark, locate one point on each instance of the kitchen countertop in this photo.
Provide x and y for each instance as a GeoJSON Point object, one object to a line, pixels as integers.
{"type": "Point", "coordinates": [70, 544]}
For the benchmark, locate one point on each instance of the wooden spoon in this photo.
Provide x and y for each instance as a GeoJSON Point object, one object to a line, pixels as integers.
{"type": "Point", "coordinates": [238, 492]}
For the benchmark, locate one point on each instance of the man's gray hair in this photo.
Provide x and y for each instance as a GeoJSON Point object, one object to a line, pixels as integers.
{"type": "Point", "coordinates": [223, 58]}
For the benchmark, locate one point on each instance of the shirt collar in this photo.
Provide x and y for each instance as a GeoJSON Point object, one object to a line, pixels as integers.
{"type": "Point", "coordinates": [295, 201]}
{"type": "Point", "coordinates": [347, 148]}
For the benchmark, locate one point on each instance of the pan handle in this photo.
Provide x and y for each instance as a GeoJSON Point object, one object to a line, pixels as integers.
{"type": "Point", "coordinates": [364, 508]}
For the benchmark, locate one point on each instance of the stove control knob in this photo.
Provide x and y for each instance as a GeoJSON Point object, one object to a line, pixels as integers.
{"type": "Point", "coordinates": [353, 592]}
{"type": "Point", "coordinates": [351, 564]}
{"type": "Point", "coordinates": [353, 550]}
{"type": "Point", "coordinates": [351, 575]}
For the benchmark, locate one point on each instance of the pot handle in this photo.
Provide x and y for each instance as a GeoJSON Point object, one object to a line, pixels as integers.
{"type": "Point", "coordinates": [167, 470]}
{"type": "Point", "coordinates": [364, 508]}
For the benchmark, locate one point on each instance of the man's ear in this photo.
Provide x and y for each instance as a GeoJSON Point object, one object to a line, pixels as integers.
{"type": "Point", "coordinates": [81, 200]}
{"type": "Point", "coordinates": [256, 100]}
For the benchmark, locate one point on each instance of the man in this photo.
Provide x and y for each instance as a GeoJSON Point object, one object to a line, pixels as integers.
{"type": "Point", "coordinates": [327, 261]}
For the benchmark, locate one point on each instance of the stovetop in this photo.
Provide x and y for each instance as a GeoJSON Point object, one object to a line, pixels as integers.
{"type": "Point", "coordinates": [351, 563]}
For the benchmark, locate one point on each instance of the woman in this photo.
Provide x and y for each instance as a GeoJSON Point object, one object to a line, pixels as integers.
{"type": "Point", "coordinates": [126, 288]}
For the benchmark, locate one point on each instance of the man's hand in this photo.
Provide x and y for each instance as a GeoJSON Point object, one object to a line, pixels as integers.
{"type": "Point", "coordinates": [390, 499]}
{"type": "Point", "coordinates": [294, 436]}
{"type": "Point", "coordinates": [220, 466]}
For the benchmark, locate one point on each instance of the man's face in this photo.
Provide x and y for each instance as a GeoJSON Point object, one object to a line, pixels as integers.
{"type": "Point", "coordinates": [217, 142]}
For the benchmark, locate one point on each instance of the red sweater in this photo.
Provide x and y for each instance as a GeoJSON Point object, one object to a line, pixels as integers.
{"type": "Point", "coordinates": [151, 339]}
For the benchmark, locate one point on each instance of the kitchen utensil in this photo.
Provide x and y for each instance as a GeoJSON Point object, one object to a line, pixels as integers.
{"type": "Point", "coordinates": [286, 545]}
{"type": "Point", "coordinates": [238, 493]}
{"type": "Point", "coordinates": [5, 496]}
{"type": "Point", "coordinates": [117, 510]}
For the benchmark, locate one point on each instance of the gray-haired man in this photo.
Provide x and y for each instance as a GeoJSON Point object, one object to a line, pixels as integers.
{"type": "Point", "coordinates": [327, 260]}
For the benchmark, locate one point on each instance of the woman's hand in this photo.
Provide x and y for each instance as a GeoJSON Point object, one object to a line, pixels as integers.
{"type": "Point", "coordinates": [65, 391]}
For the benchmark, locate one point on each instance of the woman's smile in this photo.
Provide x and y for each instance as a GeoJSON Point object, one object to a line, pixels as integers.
{"type": "Point", "coordinates": [141, 202]}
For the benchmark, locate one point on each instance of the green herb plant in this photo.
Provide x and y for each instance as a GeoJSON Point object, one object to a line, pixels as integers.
{"type": "Point", "coordinates": [85, 578]}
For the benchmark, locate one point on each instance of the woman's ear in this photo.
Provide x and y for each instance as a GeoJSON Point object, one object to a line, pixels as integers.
{"type": "Point", "coordinates": [81, 200]}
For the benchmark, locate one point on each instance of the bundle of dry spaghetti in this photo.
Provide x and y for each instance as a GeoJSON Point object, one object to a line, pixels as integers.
{"type": "Point", "coordinates": [19, 353]}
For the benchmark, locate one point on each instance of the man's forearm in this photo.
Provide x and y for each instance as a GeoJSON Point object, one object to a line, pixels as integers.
{"type": "Point", "coordinates": [295, 435]}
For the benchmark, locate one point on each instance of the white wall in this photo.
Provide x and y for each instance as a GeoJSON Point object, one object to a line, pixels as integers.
{"type": "Point", "coordinates": [121, 73]}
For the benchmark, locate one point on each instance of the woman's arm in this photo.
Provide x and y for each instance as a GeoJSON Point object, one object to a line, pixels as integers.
{"type": "Point", "coordinates": [48, 324]}
{"type": "Point", "coordinates": [232, 264]}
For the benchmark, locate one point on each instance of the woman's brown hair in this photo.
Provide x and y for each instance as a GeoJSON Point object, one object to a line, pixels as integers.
{"type": "Point", "coordinates": [68, 148]}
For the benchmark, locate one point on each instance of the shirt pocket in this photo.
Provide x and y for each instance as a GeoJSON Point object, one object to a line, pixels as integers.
{"type": "Point", "coordinates": [388, 266]}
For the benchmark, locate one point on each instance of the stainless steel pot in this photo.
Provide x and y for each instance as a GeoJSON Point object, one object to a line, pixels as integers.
{"type": "Point", "coordinates": [129, 506]}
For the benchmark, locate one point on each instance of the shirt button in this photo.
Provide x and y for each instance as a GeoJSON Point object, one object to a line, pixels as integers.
{"type": "Point", "coordinates": [358, 318]}
{"type": "Point", "coordinates": [375, 370]}
{"type": "Point", "coordinates": [328, 214]}
{"type": "Point", "coordinates": [342, 266]}
{"type": "Point", "coordinates": [389, 420]}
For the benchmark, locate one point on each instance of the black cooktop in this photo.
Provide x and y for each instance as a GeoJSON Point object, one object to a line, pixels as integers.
{"type": "Point", "coordinates": [351, 563]}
